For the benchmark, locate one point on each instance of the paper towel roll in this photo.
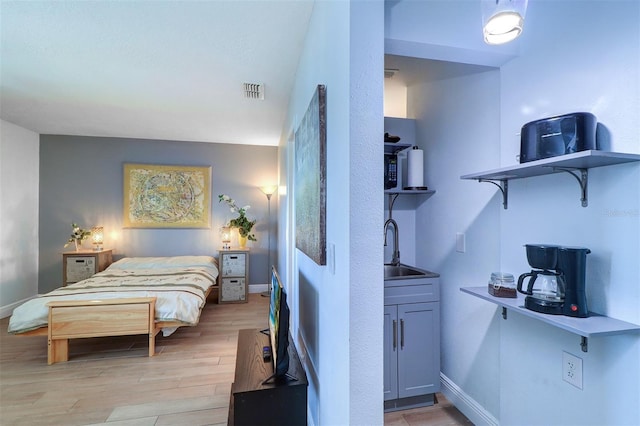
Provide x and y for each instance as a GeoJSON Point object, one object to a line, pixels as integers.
{"type": "Point", "coordinates": [415, 173]}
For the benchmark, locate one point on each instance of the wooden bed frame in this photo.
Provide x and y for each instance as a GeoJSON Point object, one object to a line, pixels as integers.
{"type": "Point", "coordinates": [77, 319]}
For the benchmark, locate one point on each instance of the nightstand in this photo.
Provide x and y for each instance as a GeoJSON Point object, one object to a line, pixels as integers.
{"type": "Point", "coordinates": [80, 265]}
{"type": "Point", "coordinates": [233, 279]}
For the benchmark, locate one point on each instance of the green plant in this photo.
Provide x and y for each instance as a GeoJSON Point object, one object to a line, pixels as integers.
{"type": "Point", "coordinates": [77, 235]}
{"type": "Point", "coordinates": [243, 224]}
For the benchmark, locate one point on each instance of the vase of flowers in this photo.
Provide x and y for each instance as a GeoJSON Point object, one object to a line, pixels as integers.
{"type": "Point", "coordinates": [77, 235]}
{"type": "Point", "coordinates": [242, 223]}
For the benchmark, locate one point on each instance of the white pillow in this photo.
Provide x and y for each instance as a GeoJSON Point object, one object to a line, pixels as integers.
{"type": "Point", "coordinates": [129, 263]}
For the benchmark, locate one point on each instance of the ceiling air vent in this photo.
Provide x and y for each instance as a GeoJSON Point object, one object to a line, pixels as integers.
{"type": "Point", "coordinates": [390, 72]}
{"type": "Point", "coordinates": [254, 91]}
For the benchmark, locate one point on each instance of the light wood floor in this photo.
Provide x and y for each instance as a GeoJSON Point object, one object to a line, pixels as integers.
{"type": "Point", "coordinates": [112, 381]}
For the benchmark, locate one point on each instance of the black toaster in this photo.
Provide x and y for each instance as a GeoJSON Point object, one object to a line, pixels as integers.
{"type": "Point", "coordinates": [560, 135]}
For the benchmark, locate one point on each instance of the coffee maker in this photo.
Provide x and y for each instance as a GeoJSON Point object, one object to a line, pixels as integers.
{"type": "Point", "coordinates": [572, 264]}
{"type": "Point", "coordinates": [557, 285]}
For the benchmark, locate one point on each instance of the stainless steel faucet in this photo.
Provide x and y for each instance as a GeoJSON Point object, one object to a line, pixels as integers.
{"type": "Point", "coordinates": [395, 259]}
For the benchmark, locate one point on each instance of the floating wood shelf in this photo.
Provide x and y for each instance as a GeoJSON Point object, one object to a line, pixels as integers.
{"type": "Point", "coordinates": [428, 192]}
{"type": "Point", "coordinates": [570, 163]}
{"type": "Point", "coordinates": [594, 325]}
{"type": "Point", "coordinates": [419, 196]}
{"type": "Point", "coordinates": [395, 147]}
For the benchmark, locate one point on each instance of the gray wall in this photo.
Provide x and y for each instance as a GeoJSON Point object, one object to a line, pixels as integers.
{"type": "Point", "coordinates": [81, 181]}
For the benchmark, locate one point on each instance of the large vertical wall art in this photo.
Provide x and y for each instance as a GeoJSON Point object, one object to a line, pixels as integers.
{"type": "Point", "coordinates": [311, 179]}
{"type": "Point", "coordinates": [166, 196]}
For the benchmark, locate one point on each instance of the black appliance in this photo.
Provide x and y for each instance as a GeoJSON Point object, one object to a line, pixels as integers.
{"type": "Point", "coordinates": [572, 264]}
{"type": "Point", "coordinates": [390, 171]}
{"type": "Point", "coordinates": [560, 135]}
{"type": "Point", "coordinates": [558, 285]}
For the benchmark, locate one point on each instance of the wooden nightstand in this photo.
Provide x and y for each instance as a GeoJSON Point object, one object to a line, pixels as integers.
{"type": "Point", "coordinates": [80, 265]}
{"type": "Point", "coordinates": [233, 279]}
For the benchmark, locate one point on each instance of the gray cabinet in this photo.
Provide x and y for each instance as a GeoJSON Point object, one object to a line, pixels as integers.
{"type": "Point", "coordinates": [411, 343]}
{"type": "Point", "coordinates": [390, 352]}
{"type": "Point", "coordinates": [234, 276]}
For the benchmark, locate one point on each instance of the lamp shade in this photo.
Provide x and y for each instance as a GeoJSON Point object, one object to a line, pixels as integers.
{"type": "Point", "coordinates": [97, 236]}
{"type": "Point", "coordinates": [226, 237]}
{"type": "Point", "coordinates": [269, 189]}
{"type": "Point", "coordinates": [503, 20]}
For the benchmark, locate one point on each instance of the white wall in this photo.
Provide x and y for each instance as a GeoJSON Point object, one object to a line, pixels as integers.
{"type": "Point", "coordinates": [19, 153]}
{"type": "Point", "coordinates": [338, 323]}
{"type": "Point", "coordinates": [596, 71]}
{"type": "Point", "coordinates": [395, 98]}
{"type": "Point", "coordinates": [506, 371]}
{"type": "Point", "coordinates": [458, 127]}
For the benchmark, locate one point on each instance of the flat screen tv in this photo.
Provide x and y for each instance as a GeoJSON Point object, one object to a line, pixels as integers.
{"type": "Point", "coordinates": [278, 328]}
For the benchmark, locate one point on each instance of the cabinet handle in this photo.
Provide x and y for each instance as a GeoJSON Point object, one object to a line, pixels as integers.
{"type": "Point", "coordinates": [395, 334]}
{"type": "Point", "coordinates": [402, 334]}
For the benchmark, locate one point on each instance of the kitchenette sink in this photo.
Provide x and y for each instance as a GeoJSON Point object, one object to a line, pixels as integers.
{"type": "Point", "coordinates": [398, 272]}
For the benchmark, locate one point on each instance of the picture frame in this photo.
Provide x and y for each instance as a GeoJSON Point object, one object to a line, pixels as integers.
{"type": "Point", "coordinates": [166, 196]}
{"type": "Point", "coordinates": [310, 182]}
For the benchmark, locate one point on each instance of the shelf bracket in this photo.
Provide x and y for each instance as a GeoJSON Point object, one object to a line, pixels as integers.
{"type": "Point", "coordinates": [584, 344]}
{"type": "Point", "coordinates": [503, 186]}
{"type": "Point", "coordinates": [504, 312]}
{"type": "Point", "coordinates": [583, 181]}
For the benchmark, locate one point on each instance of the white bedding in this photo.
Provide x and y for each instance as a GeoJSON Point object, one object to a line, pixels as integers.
{"type": "Point", "coordinates": [179, 284]}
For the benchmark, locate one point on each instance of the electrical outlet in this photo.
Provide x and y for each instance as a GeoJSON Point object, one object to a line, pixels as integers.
{"type": "Point", "coordinates": [572, 369]}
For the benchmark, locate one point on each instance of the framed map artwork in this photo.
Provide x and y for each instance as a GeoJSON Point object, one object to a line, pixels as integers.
{"type": "Point", "coordinates": [157, 196]}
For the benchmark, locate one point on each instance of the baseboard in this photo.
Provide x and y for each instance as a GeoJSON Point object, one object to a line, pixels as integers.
{"type": "Point", "coordinates": [258, 288]}
{"type": "Point", "coordinates": [7, 310]}
{"type": "Point", "coordinates": [467, 405]}
{"type": "Point", "coordinates": [312, 378]}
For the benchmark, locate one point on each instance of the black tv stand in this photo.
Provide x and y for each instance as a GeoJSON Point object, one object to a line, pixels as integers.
{"type": "Point", "coordinates": [279, 380]}
{"type": "Point", "coordinates": [254, 402]}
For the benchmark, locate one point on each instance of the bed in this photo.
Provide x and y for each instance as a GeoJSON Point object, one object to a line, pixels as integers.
{"type": "Point", "coordinates": [137, 295]}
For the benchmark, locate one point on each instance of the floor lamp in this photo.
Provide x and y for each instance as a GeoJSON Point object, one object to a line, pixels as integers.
{"type": "Point", "coordinates": [268, 191]}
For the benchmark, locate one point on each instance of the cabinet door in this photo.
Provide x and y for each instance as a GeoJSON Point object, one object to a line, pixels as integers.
{"type": "Point", "coordinates": [390, 352]}
{"type": "Point", "coordinates": [418, 349]}
{"type": "Point", "coordinates": [79, 268]}
{"type": "Point", "coordinates": [233, 265]}
{"type": "Point", "coordinates": [233, 290]}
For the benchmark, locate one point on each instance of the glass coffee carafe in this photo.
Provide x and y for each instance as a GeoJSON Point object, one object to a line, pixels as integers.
{"type": "Point", "coordinates": [545, 291]}
{"type": "Point", "coordinates": [546, 288]}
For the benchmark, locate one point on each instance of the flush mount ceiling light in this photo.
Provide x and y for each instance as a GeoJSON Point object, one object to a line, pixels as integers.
{"type": "Point", "coordinates": [502, 20]}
